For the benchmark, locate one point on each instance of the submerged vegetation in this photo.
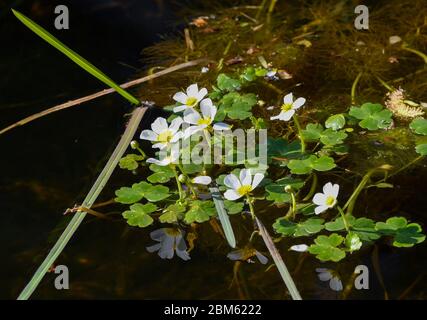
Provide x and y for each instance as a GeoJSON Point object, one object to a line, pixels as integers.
{"type": "Point", "coordinates": [344, 113]}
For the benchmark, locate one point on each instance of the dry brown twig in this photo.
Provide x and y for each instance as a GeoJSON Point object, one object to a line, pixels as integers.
{"type": "Point", "coordinates": [104, 92]}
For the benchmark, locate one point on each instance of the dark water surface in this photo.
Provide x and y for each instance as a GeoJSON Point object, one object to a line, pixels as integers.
{"type": "Point", "coordinates": [49, 165]}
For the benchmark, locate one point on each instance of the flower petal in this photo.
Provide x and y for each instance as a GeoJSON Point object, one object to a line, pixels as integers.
{"type": "Point", "coordinates": [167, 249]}
{"type": "Point", "coordinates": [205, 180]}
{"type": "Point", "coordinates": [175, 124]}
{"type": "Point", "coordinates": [159, 125]}
{"type": "Point", "coordinates": [221, 126]}
{"type": "Point", "coordinates": [276, 117]}
{"type": "Point", "coordinates": [154, 247]}
{"type": "Point", "coordinates": [257, 179]}
{"type": "Point", "coordinates": [158, 235]}
{"type": "Point", "coordinates": [261, 258]}
{"type": "Point", "coordinates": [288, 98]}
{"type": "Point", "coordinates": [236, 255]}
{"type": "Point", "coordinates": [179, 108]}
{"type": "Point", "coordinates": [165, 162]}
{"type": "Point", "coordinates": [160, 145]}
{"type": "Point", "coordinates": [320, 209]}
{"type": "Point", "coordinates": [180, 97]}
{"type": "Point", "coordinates": [325, 275]}
{"type": "Point", "coordinates": [191, 116]}
{"type": "Point", "coordinates": [298, 103]}
{"type": "Point", "coordinates": [232, 181]}
{"type": "Point", "coordinates": [183, 254]}
{"type": "Point", "coordinates": [319, 199]}
{"type": "Point", "coordinates": [192, 90]}
{"type": "Point", "coordinates": [299, 248]}
{"type": "Point", "coordinates": [231, 195]}
{"type": "Point", "coordinates": [148, 135]}
{"type": "Point", "coordinates": [201, 94]}
{"type": "Point", "coordinates": [205, 107]}
{"type": "Point", "coordinates": [286, 116]}
{"type": "Point", "coordinates": [335, 284]}
{"type": "Point", "coordinates": [192, 130]}
{"type": "Point", "coordinates": [245, 177]}
{"type": "Point", "coordinates": [335, 190]}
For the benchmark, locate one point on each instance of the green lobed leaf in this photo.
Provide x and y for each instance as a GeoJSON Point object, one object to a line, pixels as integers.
{"type": "Point", "coordinates": [404, 234]}
{"type": "Point", "coordinates": [225, 83]}
{"type": "Point", "coordinates": [162, 174]}
{"type": "Point", "coordinates": [138, 215]}
{"type": "Point", "coordinates": [130, 161]}
{"type": "Point", "coordinates": [326, 248]}
{"type": "Point", "coordinates": [335, 122]}
{"type": "Point", "coordinates": [323, 163]}
{"type": "Point", "coordinates": [303, 228]}
{"type": "Point", "coordinates": [172, 213]}
{"type": "Point", "coordinates": [372, 116]}
{"type": "Point", "coordinates": [419, 126]}
{"type": "Point", "coordinates": [200, 211]}
{"type": "Point", "coordinates": [141, 190]}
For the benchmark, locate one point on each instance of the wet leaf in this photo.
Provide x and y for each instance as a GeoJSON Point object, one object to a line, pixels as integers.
{"type": "Point", "coordinates": [276, 191]}
{"type": "Point", "coordinates": [141, 190]}
{"type": "Point", "coordinates": [162, 174]}
{"type": "Point", "coordinates": [138, 215]}
{"type": "Point", "coordinates": [326, 248]}
{"type": "Point", "coordinates": [324, 163]}
{"type": "Point", "coordinates": [303, 228]}
{"type": "Point", "coordinates": [419, 126]}
{"type": "Point", "coordinates": [237, 106]}
{"type": "Point", "coordinates": [233, 207]}
{"type": "Point", "coordinates": [372, 116]}
{"type": "Point", "coordinates": [130, 161]}
{"type": "Point", "coordinates": [352, 242]}
{"type": "Point", "coordinates": [172, 213]}
{"type": "Point", "coordinates": [200, 211]}
{"type": "Point", "coordinates": [225, 83]}
{"type": "Point", "coordinates": [335, 122]}
{"type": "Point", "coordinates": [421, 149]}
{"type": "Point", "coordinates": [404, 234]}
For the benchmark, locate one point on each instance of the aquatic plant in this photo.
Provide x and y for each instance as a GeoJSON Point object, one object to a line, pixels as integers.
{"type": "Point", "coordinates": [249, 84]}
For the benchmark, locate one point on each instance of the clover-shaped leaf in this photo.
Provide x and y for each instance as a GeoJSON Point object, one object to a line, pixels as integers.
{"type": "Point", "coordinates": [200, 211]}
{"type": "Point", "coordinates": [404, 234]}
{"type": "Point", "coordinates": [130, 161]}
{"type": "Point", "coordinates": [312, 132]}
{"type": "Point", "coordinates": [138, 215]}
{"type": "Point", "coordinates": [300, 229]}
{"type": "Point", "coordinates": [233, 207]}
{"type": "Point", "coordinates": [373, 116]}
{"type": "Point", "coordinates": [335, 122]}
{"type": "Point", "coordinates": [172, 213]}
{"type": "Point", "coordinates": [326, 248]}
{"type": "Point", "coordinates": [352, 242]}
{"type": "Point", "coordinates": [236, 106]}
{"type": "Point", "coordinates": [162, 174]}
{"type": "Point", "coordinates": [365, 229]}
{"type": "Point", "coordinates": [276, 191]}
{"type": "Point", "coordinates": [323, 163]}
{"type": "Point", "coordinates": [419, 126]}
{"type": "Point", "coordinates": [338, 223]}
{"type": "Point", "coordinates": [141, 190]}
{"type": "Point", "coordinates": [328, 137]}
{"type": "Point", "coordinates": [225, 83]}
{"type": "Point", "coordinates": [421, 149]}
{"type": "Point", "coordinates": [282, 150]}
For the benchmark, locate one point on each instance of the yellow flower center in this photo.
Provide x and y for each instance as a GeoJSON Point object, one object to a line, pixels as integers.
{"type": "Point", "coordinates": [286, 107]}
{"type": "Point", "coordinates": [191, 101]}
{"type": "Point", "coordinates": [330, 201]}
{"type": "Point", "coordinates": [244, 190]}
{"type": "Point", "coordinates": [165, 136]}
{"type": "Point", "coordinates": [207, 121]}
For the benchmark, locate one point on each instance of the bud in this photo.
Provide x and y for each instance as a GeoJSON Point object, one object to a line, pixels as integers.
{"type": "Point", "coordinates": [182, 178]}
{"type": "Point", "coordinates": [134, 145]}
{"type": "Point", "coordinates": [288, 189]}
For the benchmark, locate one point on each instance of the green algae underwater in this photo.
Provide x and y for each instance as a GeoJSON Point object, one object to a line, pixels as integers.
{"type": "Point", "coordinates": [361, 127]}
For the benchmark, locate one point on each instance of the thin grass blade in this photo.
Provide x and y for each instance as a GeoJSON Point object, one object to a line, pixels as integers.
{"type": "Point", "coordinates": [284, 273]}
{"type": "Point", "coordinates": [79, 60]}
{"type": "Point", "coordinates": [87, 203]}
{"type": "Point", "coordinates": [223, 216]}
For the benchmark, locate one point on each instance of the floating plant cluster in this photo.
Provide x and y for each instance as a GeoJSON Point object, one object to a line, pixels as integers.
{"type": "Point", "coordinates": [320, 218]}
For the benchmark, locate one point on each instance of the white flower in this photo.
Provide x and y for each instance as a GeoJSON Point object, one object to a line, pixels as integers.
{"type": "Point", "coordinates": [205, 180]}
{"type": "Point", "coordinates": [327, 199]}
{"type": "Point", "coordinates": [288, 107]}
{"type": "Point", "coordinates": [241, 186]}
{"type": "Point", "coordinates": [299, 248]}
{"type": "Point", "coordinates": [189, 99]}
{"type": "Point", "coordinates": [171, 240]}
{"type": "Point", "coordinates": [331, 276]}
{"type": "Point", "coordinates": [163, 134]}
{"type": "Point", "coordinates": [203, 121]}
{"type": "Point", "coordinates": [166, 160]}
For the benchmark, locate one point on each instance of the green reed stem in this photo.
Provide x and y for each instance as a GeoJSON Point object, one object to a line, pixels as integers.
{"type": "Point", "coordinates": [90, 199]}
{"type": "Point", "coordinates": [344, 219]}
{"type": "Point", "coordinates": [385, 84]}
{"type": "Point", "coordinates": [297, 124]}
{"type": "Point", "coordinates": [261, 9]}
{"type": "Point", "coordinates": [418, 53]}
{"type": "Point", "coordinates": [354, 87]}
{"type": "Point", "coordinates": [178, 183]}
{"type": "Point", "coordinates": [312, 188]}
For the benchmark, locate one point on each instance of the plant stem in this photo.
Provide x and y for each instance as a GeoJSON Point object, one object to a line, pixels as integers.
{"type": "Point", "coordinates": [312, 188]}
{"type": "Point", "coordinates": [418, 53]}
{"type": "Point", "coordinates": [353, 88]}
{"type": "Point", "coordinates": [189, 183]}
{"type": "Point", "coordinates": [90, 199]}
{"type": "Point", "coordinates": [261, 9]}
{"type": "Point", "coordinates": [294, 205]}
{"type": "Point", "coordinates": [178, 183]}
{"type": "Point", "coordinates": [251, 206]}
{"type": "Point", "coordinates": [343, 218]}
{"type": "Point", "coordinates": [295, 117]}
{"type": "Point", "coordinates": [385, 84]}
